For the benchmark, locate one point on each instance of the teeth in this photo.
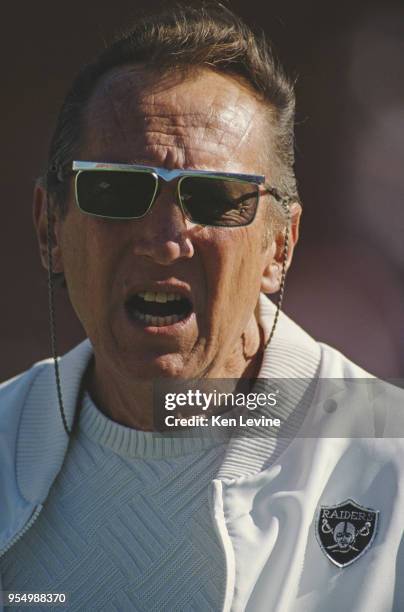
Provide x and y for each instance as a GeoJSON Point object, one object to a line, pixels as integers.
{"type": "Point", "coordinates": [151, 296]}
{"type": "Point", "coordinates": [158, 297]}
{"type": "Point", "coordinates": [158, 321]}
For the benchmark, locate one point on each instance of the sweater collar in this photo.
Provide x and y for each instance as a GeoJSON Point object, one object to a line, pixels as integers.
{"type": "Point", "coordinates": [43, 443]}
{"type": "Point", "coordinates": [134, 443]}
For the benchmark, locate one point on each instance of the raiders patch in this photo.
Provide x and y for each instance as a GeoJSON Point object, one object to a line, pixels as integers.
{"type": "Point", "coordinates": [346, 531]}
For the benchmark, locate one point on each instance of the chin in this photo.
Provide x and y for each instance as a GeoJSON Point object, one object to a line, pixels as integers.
{"type": "Point", "coordinates": [162, 366]}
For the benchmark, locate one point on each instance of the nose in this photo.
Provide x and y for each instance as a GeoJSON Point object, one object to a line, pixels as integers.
{"type": "Point", "coordinates": [163, 234]}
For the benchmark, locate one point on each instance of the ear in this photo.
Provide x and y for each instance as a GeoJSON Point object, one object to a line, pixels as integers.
{"type": "Point", "coordinates": [271, 277]}
{"type": "Point", "coordinates": [40, 215]}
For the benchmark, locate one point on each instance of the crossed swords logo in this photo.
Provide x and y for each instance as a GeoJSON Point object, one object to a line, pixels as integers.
{"type": "Point", "coordinates": [345, 534]}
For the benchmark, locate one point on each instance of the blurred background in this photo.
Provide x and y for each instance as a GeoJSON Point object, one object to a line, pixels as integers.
{"type": "Point", "coordinates": [346, 286]}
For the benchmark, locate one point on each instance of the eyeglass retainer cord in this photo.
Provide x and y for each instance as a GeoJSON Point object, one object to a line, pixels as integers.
{"type": "Point", "coordinates": [51, 306]}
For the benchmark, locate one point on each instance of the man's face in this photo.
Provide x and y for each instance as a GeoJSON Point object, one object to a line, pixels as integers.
{"type": "Point", "coordinates": [210, 122]}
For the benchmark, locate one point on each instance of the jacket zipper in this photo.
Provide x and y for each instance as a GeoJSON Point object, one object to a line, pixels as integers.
{"type": "Point", "coordinates": [23, 531]}
{"type": "Point", "coordinates": [216, 510]}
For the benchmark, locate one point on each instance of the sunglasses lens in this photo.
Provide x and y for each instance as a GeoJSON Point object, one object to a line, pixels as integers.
{"type": "Point", "coordinates": [116, 195]}
{"type": "Point", "coordinates": [219, 202]}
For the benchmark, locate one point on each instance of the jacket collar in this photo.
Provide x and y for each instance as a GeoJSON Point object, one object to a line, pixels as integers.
{"type": "Point", "coordinates": [291, 363]}
{"type": "Point", "coordinates": [42, 441]}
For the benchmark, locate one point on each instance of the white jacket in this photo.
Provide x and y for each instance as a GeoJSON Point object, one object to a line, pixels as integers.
{"type": "Point", "coordinates": [267, 497]}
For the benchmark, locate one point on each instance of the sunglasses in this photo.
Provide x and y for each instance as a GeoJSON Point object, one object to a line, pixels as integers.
{"type": "Point", "coordinates": [126, 191]}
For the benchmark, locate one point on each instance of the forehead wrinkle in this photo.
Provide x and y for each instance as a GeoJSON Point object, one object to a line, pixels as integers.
{"type": "Point", "coordinates": [218, 127]}
{"type": "Point", "coordinates": [189, 136]}
{"type": "Point", "coordinates": [182, 157]}
{"type": "Point", "coordinates": [123, 110]}
{"type": "Point", "coordinates": [181, 126]}
{"type": "Point", "coordinates": [173, 121]}
{"type": "Point", "coordinates": [193, 136]}
{"type": "Point", "coordinates": [124, 100]}
{"type": "Point", "coordinates": [180, 129]}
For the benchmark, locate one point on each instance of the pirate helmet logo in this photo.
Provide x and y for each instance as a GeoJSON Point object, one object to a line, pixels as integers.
{"type": "Point", "coordinates": [345, 531]}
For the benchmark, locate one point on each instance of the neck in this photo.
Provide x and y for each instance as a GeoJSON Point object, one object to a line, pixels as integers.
{"type": "Point", "coordinates": [130, 402]}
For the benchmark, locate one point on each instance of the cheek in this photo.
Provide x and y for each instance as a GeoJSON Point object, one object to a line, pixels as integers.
{"type": "Point", "coordinates": [74, 247]}
{"type": "Point", "coordinates": [86, 250]}
{"type": "Point", "coordinates": [76, 266]}
{"type": "Point", "coordinates": [233, 264]}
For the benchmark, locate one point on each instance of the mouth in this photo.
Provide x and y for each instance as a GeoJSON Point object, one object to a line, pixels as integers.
{"type": "Point", "coordinates": [158, 309]}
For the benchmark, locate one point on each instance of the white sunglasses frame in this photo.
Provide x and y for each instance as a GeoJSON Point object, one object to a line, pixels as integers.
{"type": "Point", "coordinates": [169, 175]}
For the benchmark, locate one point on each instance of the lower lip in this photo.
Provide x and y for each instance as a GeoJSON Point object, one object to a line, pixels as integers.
{"type": "Point", "coordinates": [162, 330]}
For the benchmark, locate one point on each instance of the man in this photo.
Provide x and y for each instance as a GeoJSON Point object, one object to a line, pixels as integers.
{"type": "Point", "coordinates": [155, 210]}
